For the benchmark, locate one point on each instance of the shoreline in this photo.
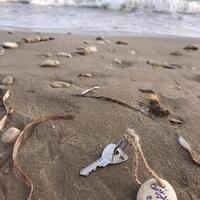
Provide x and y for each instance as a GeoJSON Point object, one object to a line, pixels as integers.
{"type": "Point", "coordinates": [53, 153]}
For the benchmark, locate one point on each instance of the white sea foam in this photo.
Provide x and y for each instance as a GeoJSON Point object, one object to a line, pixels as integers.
{"type": "Point", "coordinates": [184, 6]}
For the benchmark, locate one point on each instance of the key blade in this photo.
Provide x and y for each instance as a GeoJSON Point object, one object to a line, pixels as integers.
{"type": "Point", "coordinates": [93, 166]}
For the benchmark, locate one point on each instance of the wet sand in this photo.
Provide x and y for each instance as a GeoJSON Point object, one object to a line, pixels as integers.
{"type": "Point", "coordinates": [54, 152]}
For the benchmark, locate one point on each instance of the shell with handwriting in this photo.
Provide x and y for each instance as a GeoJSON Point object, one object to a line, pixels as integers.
{"type": "Point", "coordinates": [150, 190]}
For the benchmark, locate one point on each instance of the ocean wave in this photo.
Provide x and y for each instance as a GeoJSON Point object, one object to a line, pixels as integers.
{"type": "Point", "coordinates": [181, 6]}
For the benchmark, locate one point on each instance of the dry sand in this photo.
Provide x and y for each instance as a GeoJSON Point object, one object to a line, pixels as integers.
{"type": "Point", "coordinates": [55, 152]}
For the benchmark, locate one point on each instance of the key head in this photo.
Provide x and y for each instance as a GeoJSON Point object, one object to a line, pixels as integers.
{"type": "Point", "coordinates": [119, 157]}
{"type": "Point", "coordinates": [108, 154]}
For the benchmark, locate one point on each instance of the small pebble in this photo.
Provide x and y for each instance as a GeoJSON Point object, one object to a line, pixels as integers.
{"type": "Point", "coordinates": [60, 84]}
{"type": "Point", "coordinates": [87, 42]}
{"type": "Point", "coordinates": [100, 38]}
{"type": "Point", "coordinates": [10, 135]}
{"type": "Point", "coordinates": [1, 51]}
{"type": "Point", "coordinates": [50, 63]}
{"type": "Point", "coordinates": [10, 45]}
{"type": "Point", "coordinates": [46, 54]}
{"type": "Point", "coordinates": [132, 52]}
{"type": "Point", "coordinates": [10, 32]}
{"type": "Point", "coordinates": [122, 42]}
{"type": "Point", "coordinates": [63, 54]}
{"type": "Point", "coordinates": [7, 80]}
{"type": "Point", "coordinates": [176, 53]}
{"type": "Point", "coordinates": [85, 75]}
{"type": "Point", "coordinates": [192, 47]}
{"type": "Point", "coordinates": [118, 61]}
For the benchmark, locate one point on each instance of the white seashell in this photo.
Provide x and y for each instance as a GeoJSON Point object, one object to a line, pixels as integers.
{"type": "Point", "coordinates": [10, 135]}
{"type": "Point", "coordinates": [7, 80]}
{"type": "Point", "coordinates": [50, 63]}
{"type": "Point", "coordinates": [60, 84]}
{"type": "Point", "coordinates": [63, 54]}
{"type": "Point", "coordinates": [150, 190]}
{"type": "Point", "coordinates": [10, 45]}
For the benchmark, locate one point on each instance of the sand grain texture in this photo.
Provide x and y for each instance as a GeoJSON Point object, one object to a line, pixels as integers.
{"type": "Point", "coordinates": [54, 152]}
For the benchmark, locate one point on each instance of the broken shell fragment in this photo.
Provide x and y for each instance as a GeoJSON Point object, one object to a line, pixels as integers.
{"type": "Point", "coordinates": [10, 135]}
{"type": "Point", "coordinates": [7, 80]}
{"type": "Point", "coordinates": [63, 54]}
{"type": "Point", "coordinates": [60, 84]}
{"type": "Point", "coordinates": [150, 190]}
{"type": "Point", "coordinates": [10, 45]}
{"type": "Point", "coordinates": [50, 63]}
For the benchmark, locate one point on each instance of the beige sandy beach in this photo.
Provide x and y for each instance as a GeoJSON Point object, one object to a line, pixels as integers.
{"type": "Point", "coordinates": [53, 153]}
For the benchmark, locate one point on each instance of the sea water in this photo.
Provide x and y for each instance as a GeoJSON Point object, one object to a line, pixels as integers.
{"type": "Point", "coordinates": [113, 17]}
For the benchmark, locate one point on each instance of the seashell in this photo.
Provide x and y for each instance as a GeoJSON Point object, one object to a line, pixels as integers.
{"type": "Point", "coordinates": [150, 190]}
{"type": "Point", "coordinates": [7, 80]}
{"type": "Point", "coordinates": [50, 63]}
{"type": "Point", "coordinates": [192, 47]}
{"type": "Point", "coordinates": [10, 135]}
{"type": "Point", "coordinates": [60, 84]}
{"type": "Point", "coordinates": [63, 54]}
{"type": "Point", "coordinates": [10, 45]}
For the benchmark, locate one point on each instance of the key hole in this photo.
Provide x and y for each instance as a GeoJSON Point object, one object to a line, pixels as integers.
{"type": "Point", "coordinates": [117, 152]}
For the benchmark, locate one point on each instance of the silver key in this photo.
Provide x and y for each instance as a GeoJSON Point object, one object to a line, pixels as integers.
{"type": "Point", "coordinates": [106, 159]}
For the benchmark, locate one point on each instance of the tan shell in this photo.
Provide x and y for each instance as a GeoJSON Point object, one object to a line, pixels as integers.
{"type": "Point", "coordinates": [10, 45]}
{"type": "Point", "coordinates": [60, 84]}
{"type": "Point", "coordinates": [10, 135]}
{"type": "Point", "coordinates": [150, 190]}
{"type": "Point", "coordinates": [50, 63]}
